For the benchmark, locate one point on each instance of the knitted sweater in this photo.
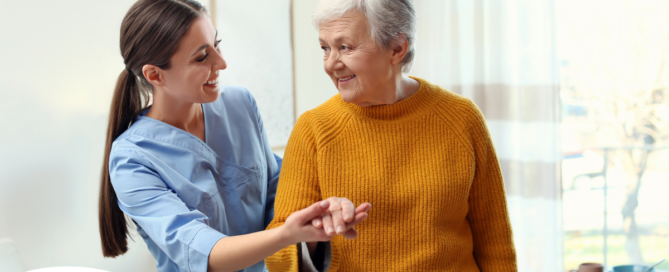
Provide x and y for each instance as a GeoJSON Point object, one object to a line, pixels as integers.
{"type": "Point", "coordinates": [428, 167]}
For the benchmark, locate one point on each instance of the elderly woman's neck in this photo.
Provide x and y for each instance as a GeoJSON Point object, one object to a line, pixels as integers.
{"type": "Point", "coordinates": [405, 87]}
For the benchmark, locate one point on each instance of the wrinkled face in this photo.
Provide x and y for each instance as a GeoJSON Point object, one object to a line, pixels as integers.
{"type": "Point", "coordinates": [193, 73]}
{"type": "Point", "coordinates": [359, 69]}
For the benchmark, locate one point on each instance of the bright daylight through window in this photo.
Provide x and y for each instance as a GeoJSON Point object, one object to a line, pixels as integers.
{"type": "Point", "coordinates": [614, 78]}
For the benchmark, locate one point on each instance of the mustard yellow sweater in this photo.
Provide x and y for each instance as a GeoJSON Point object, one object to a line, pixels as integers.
{"type": "Point", "coordinates": [428, 167]}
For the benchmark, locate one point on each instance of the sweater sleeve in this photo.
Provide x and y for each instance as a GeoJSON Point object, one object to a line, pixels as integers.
{"type": "Point", "coordinates": [298, 188]}
{"type": "Point", "coordinates": [488, 214]}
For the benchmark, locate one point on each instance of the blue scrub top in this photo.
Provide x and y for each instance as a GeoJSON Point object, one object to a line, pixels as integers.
{"type": "Point", "coordinates": [185, 194]}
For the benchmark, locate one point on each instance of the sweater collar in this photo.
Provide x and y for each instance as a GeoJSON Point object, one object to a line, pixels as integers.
{"type": "Point", "coordinates": [416, 104]}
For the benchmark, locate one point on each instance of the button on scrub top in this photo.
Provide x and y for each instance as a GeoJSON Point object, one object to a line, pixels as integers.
{"type": "Point", "coordinates": [185, 194]}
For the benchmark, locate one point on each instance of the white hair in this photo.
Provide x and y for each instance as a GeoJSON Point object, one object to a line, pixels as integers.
{"type": "Point", "coordinates": [386, 18]}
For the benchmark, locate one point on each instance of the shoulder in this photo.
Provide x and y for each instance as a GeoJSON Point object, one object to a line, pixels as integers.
{"type": "Point", "coordinates": [127, 147]}
{"type": "Point", "coordinates": [457, 110]}
{"type": "Point", "coordinates": [325, 121]}
{"type": "Point", "coordinates": [459, 114]}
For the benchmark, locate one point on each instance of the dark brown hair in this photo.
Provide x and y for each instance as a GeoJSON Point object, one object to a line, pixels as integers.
{"type": "Point", "coordinates": [150, 34]}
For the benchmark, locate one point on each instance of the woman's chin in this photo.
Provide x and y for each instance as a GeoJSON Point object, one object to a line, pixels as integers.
{"type": "Point", "coordinates": [210, 96]}
{"type": "Point", "coordinates": [354, 98]}
{"type": "Point", "coordinates": [348, 96]}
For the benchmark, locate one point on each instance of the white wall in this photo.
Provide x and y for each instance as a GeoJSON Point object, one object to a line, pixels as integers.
{"type": "Point", "coordinates": [59, 61]}
{"type": "Point", "coordinates": [312, 85]}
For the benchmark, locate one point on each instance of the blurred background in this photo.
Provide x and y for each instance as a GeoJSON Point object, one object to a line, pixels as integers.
{"type": "Point", "coordinates": [575, 94]}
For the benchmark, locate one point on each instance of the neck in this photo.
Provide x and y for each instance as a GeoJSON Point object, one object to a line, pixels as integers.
{"type": "Point", "coordinates": [403, 87]}
{"type": "Point", "coordinates": [187, 116]}
{"type": "Point", "coordinates": [406, 87]}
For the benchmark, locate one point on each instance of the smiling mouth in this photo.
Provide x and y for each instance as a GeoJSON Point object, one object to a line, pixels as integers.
{"type": "Point", "coordinates": [211, 82]}
{"type": "Point", "coordinates": [346, 79]}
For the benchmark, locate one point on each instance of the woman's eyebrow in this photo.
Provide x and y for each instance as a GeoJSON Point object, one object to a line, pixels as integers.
{"type": "Point", "coordinates": [337, 39]}
{"type": "Point", "coordinates": [204, 46]}
{"type": "Point", "coordinates": [200, 49]}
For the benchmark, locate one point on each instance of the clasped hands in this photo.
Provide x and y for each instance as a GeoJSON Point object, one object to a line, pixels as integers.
{"type": "Point", "coordinates": [325, 219]}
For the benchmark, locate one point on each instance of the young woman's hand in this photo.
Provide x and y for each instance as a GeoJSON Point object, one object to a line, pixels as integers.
{"type": "Point", "coordinates": [298, 226]}
{"type": "Point", "coordinates": [340, 217]}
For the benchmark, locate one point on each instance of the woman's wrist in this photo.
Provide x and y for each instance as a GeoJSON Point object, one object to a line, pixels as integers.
{"type": "Point", "coordinates": [285, 237]}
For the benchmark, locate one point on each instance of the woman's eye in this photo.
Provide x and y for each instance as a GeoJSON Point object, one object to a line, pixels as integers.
{"type": "Point", "coordinates": [344, 47]}
{"type": "Point", "coordinates": [203, 58]}
{"type": "Point", "coordinates": [217, 43]}
{"type": "Point", "coordinates": [325, 48]}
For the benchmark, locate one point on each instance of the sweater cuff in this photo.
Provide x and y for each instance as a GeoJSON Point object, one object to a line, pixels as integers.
{"type": "Point", "coordinates": [323, 257]}
{"type": "Point", "coordinates": [200, 248]}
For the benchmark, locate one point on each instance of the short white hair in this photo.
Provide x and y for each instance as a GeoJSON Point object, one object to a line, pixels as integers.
{"type": "Point", "coordinates": [386, 18]}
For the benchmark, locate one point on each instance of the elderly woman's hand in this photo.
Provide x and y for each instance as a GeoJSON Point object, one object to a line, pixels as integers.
{"type": "Point", "coordinates": [341, 214]}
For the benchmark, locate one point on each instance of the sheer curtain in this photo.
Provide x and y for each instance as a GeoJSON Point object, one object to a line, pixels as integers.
{"type": "Point", "coordinates": [501, 54]}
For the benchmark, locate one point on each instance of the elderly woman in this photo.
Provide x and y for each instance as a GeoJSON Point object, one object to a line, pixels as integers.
{"type": "Point", "coordinates": [421, 155]}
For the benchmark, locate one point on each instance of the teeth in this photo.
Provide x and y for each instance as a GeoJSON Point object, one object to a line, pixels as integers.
{"type": "Point", "coordinates": [346, 78]}
{"type": "Point", "coordinates": [211, 82]}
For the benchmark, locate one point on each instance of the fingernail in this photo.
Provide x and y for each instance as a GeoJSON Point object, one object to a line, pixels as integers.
{"type": "Point", "coordinates": [340, 229]}
{"type": "Point", "coordinates": [347, 217]}
{"type": "Point", "coordinates": [330, 230]}
{"type": "Point", "coordinates": [324, 204]}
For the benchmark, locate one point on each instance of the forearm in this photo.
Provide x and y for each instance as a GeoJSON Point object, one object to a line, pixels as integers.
{"type": "Point", "coordinates": [238, 252]}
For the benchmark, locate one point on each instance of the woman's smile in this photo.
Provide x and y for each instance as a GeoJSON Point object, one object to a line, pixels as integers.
{"type": "Point", "coordinates": [345, 80]}
{"type": "Point", "coordinates": [211, 84]}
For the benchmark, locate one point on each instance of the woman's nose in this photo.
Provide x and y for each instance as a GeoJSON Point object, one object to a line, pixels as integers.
{"type": "Point", "coordinates": [332, 63]}
{"type": "Point", "coordinates": [219, 63]}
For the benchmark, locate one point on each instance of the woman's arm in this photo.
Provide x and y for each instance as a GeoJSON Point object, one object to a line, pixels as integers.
{"type": "Point", "coordinates": [238, 252]}
{"type": "Point", "coordinates": [298, 187]}
{"type": "Point", "coordinates": [488, 215]}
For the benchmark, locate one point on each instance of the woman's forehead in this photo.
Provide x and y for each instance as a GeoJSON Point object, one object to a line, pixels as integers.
{"type": "Point", "coordinates": [201, 34]}
{"type": "Point", "coordinates": [351, 25]}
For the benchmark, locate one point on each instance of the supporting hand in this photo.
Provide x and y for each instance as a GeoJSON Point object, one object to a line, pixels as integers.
{"type": "Point", "coordinates": [342, 217]}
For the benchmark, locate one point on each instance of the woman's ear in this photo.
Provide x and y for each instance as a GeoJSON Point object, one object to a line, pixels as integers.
{"type": "Point", "coordinates": [153, 74]}
{"type": "Point", "coordinates": [400, 48]}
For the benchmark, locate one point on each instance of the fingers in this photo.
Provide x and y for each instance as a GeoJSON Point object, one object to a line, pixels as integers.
{"type": "Point", "coordinates": [343, 216]}
{"type": "Point", "coordinates": [358, 218]}
{"type": "Point", "coordinates": [347, 209]}
{"type": "Point", "coordinates": [351, 234]}
{"type": "Point", "coordinates": [328, 227]}
{"type": "Point", "coordinates": [311, 212]}
{"type": "Point", "coordinates": [317, 222]}
{"type": "Point", "coordinates": [338, 221]}
{"type": "Point", "coordinates": [364, 207]}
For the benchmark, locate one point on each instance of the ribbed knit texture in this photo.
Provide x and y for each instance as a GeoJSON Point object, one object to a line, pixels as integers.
{"type": "Point", "coordinates": [428, 167]}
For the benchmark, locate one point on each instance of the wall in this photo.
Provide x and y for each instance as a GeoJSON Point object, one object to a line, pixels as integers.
{"type": "Point", "coordinates": [59, 61]}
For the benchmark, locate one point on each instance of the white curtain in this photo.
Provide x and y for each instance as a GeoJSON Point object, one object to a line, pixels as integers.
{"type": "Point", "coordinates": [501, 54]}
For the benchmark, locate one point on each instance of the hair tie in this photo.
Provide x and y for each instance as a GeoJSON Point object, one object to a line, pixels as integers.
{"type": "Point", "coordinates": [129, 71]}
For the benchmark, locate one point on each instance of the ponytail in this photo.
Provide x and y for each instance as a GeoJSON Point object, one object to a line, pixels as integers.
{"type": "Point", "coordinates": [126, 104]}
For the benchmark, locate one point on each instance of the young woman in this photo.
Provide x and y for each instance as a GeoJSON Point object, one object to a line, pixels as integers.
{"type": "Point", "coordinates": [194, 170]}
